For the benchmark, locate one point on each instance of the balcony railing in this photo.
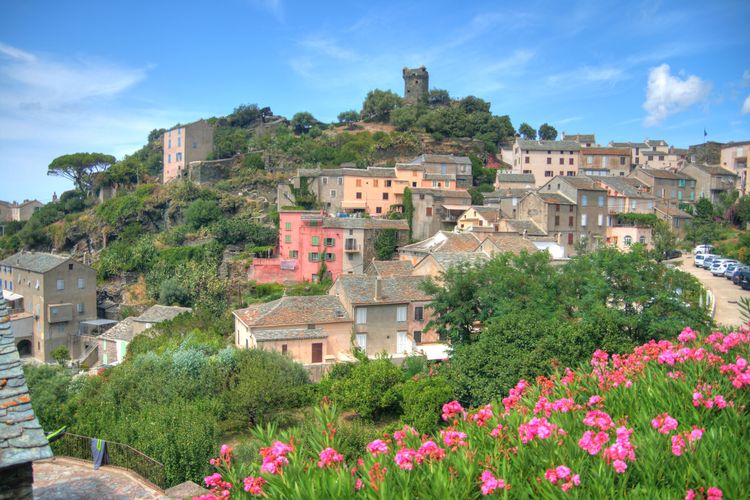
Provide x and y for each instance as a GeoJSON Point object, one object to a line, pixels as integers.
{"type": "Point", "coordinates": [351, 246]}
{"type": "Point", "coordinates": [120, 455]}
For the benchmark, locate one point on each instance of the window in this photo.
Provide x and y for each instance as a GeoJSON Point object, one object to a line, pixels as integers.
{"type": "Point", "coordinates": [313, 257]}
{"type": "Point", "coordinates": [179, 142]}
{"type": "Point", "coordinates": [570, 238]}
{"type": "Point", "coordinates": [636, 160]}
{"type": "Point", "coordinates": [557, 220]}
{"type": "Point", "coordinates": [413, 184]}
{"type": "Point", "coordinates": [80, 308]}
{"type": "Point", "coordinates": [526, 160]}
{"type": "Point", "coordinates": [418, 313]}
{"type": "Point", "coordinates": [557, 207]}
{"type": "Point", "coordinates": [385, 196]}
{"type": "Point", "coordinates": [604, 161]}
{"type": "Point", "coordinates": [293, 254]}
{"type": "Point", "coordinates": [330, 257]}
{"type": "Point", "coordinates": [315, 241]}
{"type": "Point", "coordinates": [622, 160]}
{"type": "Point", "coordinates": [417, 336]}
{"type": "Point", "coordinates": [584, 200]}
{"type": "Point", "coordinates": [571, 173]}
{"type": "Point", "coordinates": [195, 145]}
{"type": "Point", "coordinates": [362, 341]}
{"type": "Point", "coordinates": [361, 315]}
{"type": "Point", "coordinates": [333, 193]}
{"type": "Point", "coordinates": [378, 210]}
{"type": "Point", "coordinates": [325, 180]}
{"type": "Point", "coordinates": [375, 182]}
{"type": "Point", "coordinates": [287, 238]}
{"type": "Point", "coordinates": [681, 183]}
{"type": "Point", "coordinates": [70, 267]}
{"type": "Point", "coordinates": [340, 180]}
{"type": "Point", "coordinates": [628, 240]}
{"type": "Point", "coordinates": [358, 195]}
{"type": "Point", "coordinates": [642, 240]}
{"type": "Point", "coordinates": [81, 283]}
{"type": "Point", "coordinates": [600, 220]}
{"type": "Point", "coordinates": [284, 349]}
{"type": "Point", "coordinates": [401, 313]}
{"type": "Point", "coordinates": [358, 183]}
{"type": "Point", "coordinates": [562, 161]}
{"type": "Point", "coordinates": [317, 352]}
{"type": "Point", "coordinates": [169, 158]}
{"type": "Point", "coordinates": [549, 173]}
{"type": "Point", "coordinates": [570, 208]}
{"type": "Point", "coordinates": [549, 161]}
{"type": "Point", "coordinates": [570, 221]}
{"type": "Point", "coordinates": [387, 184]}
{"type": "Point", "coordinates": [329, 242]}
{"type": "Point", "coordinates": [61, 284]}
{"type": "Point", "coordinates": [584, 219]}
{"type": "Point", "coordinates": [600, 200]}
{"type": "Point", "coordinates": [562, 172]}
{"type": "Point", "coordinates": [443, 169]}
{"type": "Point", "coordinates": [679, 195]}
{"type": "Point", "coordinates": [570, 161]}
{"type": "Point", "coordinates": [661, 157]}
{"type": "Point", "coordinates": [428, 211]}
{"type": "Point", "coordinates": [514, 201]}
{"type": "Point", "coordinates": [692, 195]}
{"type": "Point", "coordinates": [649, 158]}
{"type": "Point", "coordinates": [589, 160]}
{"type": "Point", "coordinates": [633, 204]}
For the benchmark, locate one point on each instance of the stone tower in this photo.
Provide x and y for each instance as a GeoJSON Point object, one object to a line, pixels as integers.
{"type": "Point", "coordinates": [416, 84]}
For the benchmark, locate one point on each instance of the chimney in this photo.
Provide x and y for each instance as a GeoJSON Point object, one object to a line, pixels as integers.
{"type": "Point", "coordinates": [378, 288]}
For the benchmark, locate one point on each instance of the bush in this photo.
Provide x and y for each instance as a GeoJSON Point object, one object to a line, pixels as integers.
{"type": "Point", "coordinates": [422, 398]}
{"type": "Point", "coordinates": [379, 376]}
{"type": "Point", "coordinates": [201, 213]}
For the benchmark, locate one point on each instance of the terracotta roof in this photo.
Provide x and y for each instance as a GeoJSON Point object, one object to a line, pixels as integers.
{"type": "Point", "coordinates": [289, 334]}
{"type": "Point", "coordinates": [360, 289]}
{"type": "Point", "coordinates": [21, 437]}
{"type": "Point", "coordinates": [36, 262]}
{"type": "Point", "coordinates": [159, 313]}
{"type": "Point", "coordinates": [548, 145]}
{"type": "Point", "coordinates": [512, 243]}
{"type": "Point", "coordinates": [389, 268]}
{"type": "Point", "coordinates": [289, 311]}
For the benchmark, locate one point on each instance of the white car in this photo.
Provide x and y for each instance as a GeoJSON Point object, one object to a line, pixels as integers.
{"type": "Point", "coordinates": [718, 269]}
{"type": "Point", "coordinates": [700, 257]}
{"type": "Point", "coordinates": [703, 249]}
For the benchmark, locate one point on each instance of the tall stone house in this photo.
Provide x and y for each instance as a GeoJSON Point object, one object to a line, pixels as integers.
{"type": "Point", "coordinates": [436, 210]}
{"type": "Point", "coordinates": [666, 186]}
{"type": "Point", "coordinates": [18, 211]}
{"type": "Point", "coordinates": [186, 143]}
{"type": "Point", "coordinates": [416, 84]}
{"type": "Point", "coordinates": [58, 292]}
{"type": "Point", "coordinates": [546, 159]}
{"type": "Point", "coordinates": [711, 180]}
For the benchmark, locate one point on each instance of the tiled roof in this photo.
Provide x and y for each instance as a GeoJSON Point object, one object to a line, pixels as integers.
{"type": "Point", "coordinates": [639, 145]}
{"type": "Point", "coordinates": [445, 193]}
{"type": "Point", "coordinates": [36, 262]}
{"type": "Point", "coordinates": [504, 194]}
{"type": "Point", "coordinates": [582, 182]}
{"type": "Point", "coordinates": [490, 214]}
{"type": "Point", "coordinates": [514, 243]}
{"type": "Point", "coordinates": [628, 186]}
{"type": "Point", "coordinates": [389, 268]}
{"type": "Point", "coordinates": [548, 145]}
{"type": "Point", "coordinates": [734, 144]}
{"type": "Point", "coordinates": [589, 138]}
{"type": "Point", "coordinates": [714, 169]}
{"type": "Point", "coordinates": [356, 172]}
{"type": "Point", "coordinates": [606, 151]}
{"type": "Point", "coordinates": [673, 212]}
{"type": "Point", "coordinates": [527, 178]}
{"type": "Point", "coordinates": [289, 334]}
{"type": "Point", "coordinates": [657, 142]}
{"type": "Point", "coordinates": [159, 313]}
{"type": "Point", "coordinates": [121, 331]}
{"type": "Point", "coordinates": [21, 437]}
{"type": "Point", "coordinates": [360, 289]}
{"type": "Point", "coordinates": [430, 158]}
{"type": "Point", "coordinates": [289, 311]}
{"type": "Point", "coordinates": [439, 177]}
{"type": "Point", "coordinates": [448, 260]}
{"type": "Point", "coordinates": [365, 223]}
{"type": "Point", "coordinates": [664, 174]}
{"type": "Point", "coordinates": [555, 198]}
{"type": "Point", "coordinates": [521, 225]}
{"type": "Point", "coordinates": [444, 241]}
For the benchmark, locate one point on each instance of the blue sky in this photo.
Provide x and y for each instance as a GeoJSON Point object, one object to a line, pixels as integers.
{"type": "Point", "coordinates": [98, 76]}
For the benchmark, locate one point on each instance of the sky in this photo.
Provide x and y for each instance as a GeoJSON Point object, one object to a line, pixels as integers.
{"type": "Point", "coordinates": [98, 76]}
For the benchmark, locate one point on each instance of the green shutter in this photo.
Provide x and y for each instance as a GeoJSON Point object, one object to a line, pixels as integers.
{"type": "Point", "coordinates": [315, 240]}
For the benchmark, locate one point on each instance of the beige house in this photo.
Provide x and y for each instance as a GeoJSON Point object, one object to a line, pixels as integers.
{"type": "Point", "coordinates": [479, 216]}
{"type": "Point", "coordinates": [711, 180]}
{"type": "Point", "coordinates": [436, 210]}
{"type": "Point", "coordinates": [546, 159]}
{"type": "Point", "coordinates": [186, 143]}
{"type": "Point", "coordinates": [627, 195]}
{"type": "Point", "coordinates": [506, 199]}
{"type": "Point", "coordinates": [596, 161]}
{"type": "Point", "coordinates": [734, 157]}
{"type": "Point", "coordinates": [654, 153]}
{"type": "Point", "coordinates": [457, 167]}
{"type": "Point", "coordinates": [57, 292]}
{"type": "Point", "coordinates": [311, 330]}
{"type": "Point", "coordinates": [508, 180]}
{"type": "Point", "coordinates": [667, 186]}
{"type": "Point", "coordinates": [678, 220]}
{"type": "Point", "coordinates": [18, 211]}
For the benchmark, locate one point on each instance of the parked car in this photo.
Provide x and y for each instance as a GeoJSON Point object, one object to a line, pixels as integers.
{"type": "Point", "coordinates": [698, 259]}
{"type": "Point", "coordinates": [703, 249]}
{"type": "Point", "coordinates": [672, 254]}
{"type": "Point", "coordinates": [745, 280]}
{"type": "Point", "coordinates": [720, 267]}
{"type": "Point", "coordinates": [730, 270]}
{"type": "Point", "coordinates": [737, 273]}
{"type": "Point", "coordinates": [708, 260]}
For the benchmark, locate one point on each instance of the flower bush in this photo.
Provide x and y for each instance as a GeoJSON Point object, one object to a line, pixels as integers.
{"type": "Point", "coordinates": [626, 426]}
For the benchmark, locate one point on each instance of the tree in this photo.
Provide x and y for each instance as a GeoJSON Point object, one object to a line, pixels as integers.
{"type": "Point", "coordinates": [704, 209]}
{"type": "Point", "coordinates": [527, 131]}
{"type": "Point", "coordinates": [547, 132]}
{"type": "Point", "coordinates": [303, 122]}
{"type": "Point", "coordinates": [664, 239]}
{"type": "Point", "coordinates": [244, 115]}
{"type": "Point", "coordinates": [378, 105]}
{"type": "Point", "coordinates": [471, 104]}
{"type": "Point", "coordinates": [80, 168]}
{"type": "Point", "coordinates": [202, 213]}
{"type": "Point", "coordinates": [438, 97]}
{"type": "Point", "coordinates": [386, 242]}
{"type": "Point", "coordinates": [348, 118]}
{"type": "Point", "coordinates": [61, 354]}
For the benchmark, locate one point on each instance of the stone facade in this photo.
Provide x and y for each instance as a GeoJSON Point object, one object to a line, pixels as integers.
{"type": "Point", "coordinates": [185, 144]}
{"type": "Point", "coordinates": [18, 211]}
{"type": "Point", "coordinates": [416, 84]}
{"type": "Point", "coordinates": [734, 157]}
{"type": "Point", "coordinates": [207, 173]}
{"type": "Point", "coordinates": [436, 210]}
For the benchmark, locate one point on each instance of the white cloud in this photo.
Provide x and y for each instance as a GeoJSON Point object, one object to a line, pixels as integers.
{"type": "Point", "coordinates": [328, 47]}
{"type": "Point", "coordinates": [667, 94]}
{"type": "Point", "coordinates": [273, 7]}
{"type": "Point", "coordinates": [586, 75]}
{"type": "Point", "coordinates": [746, 106]}
{"type": "Point", "coordinates": [15, 53]}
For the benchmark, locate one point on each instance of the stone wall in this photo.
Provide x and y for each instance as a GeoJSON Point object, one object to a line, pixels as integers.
{"type": "Point", "coordinates": [16, 482]}
{"type": "Point", "coordinates": [206, 173]}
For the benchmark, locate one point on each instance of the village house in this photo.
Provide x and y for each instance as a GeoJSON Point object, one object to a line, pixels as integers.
{"type": "Point", "coordinates": [310, 330]}
{"type": "Point", "coordinates": [654, 153]}
{"type": "Point", "coordinates": [53, 294]}
{"type": "Point", "coordinates": [479, 216]}
{"type": "Point", "coordinates": [627, 195]}
{"type": "Point", "coordinates": [711, 180]}
{"type": "Point", "coordinates": [435, 264]}
{"type": "Point", "coordinates": [389, 314]}
{"type": "Point", "coordinates": [442, 241]}
{"type": "Point", "coordinates": [597, 161]}
{"type": "Point", "coordinates": [311, 244]}
{"type": "Point", "coordinates": [734, 157]}
{"type": "Point", "coordinates": [113, 344]}
{"type": "Point", "coordinates": [457, 168]}
{"type": "Point", "coordinates": [506, 199]}
{"type": "Point", "coordinates": [546, 159]}
{"type": "Point", "coordinates": [436, 210]}
{"type": "Point", "coordinates": [18, 211]}
{"type": "Point", "coordinates": [184, 144]}
{"type": "Point", "coordinates": [389, 268]}
{"type": "Point", "coordinates": [22, 439]}
{"type": "Point", "coordinates": [667, 186]}
{"type": "Point", "coordinates": [509, 180]}
{"type": "Point", "coordinates": [585, 140]}
{"type": "Point", "coordinates": [678, 219]}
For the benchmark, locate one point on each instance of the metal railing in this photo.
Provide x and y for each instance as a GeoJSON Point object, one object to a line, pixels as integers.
{"type": "Point", "coordinates": [120, 455]}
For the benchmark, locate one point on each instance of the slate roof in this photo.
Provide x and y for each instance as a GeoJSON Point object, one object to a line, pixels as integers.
{"type": "Point", "coordinates": [555, 198]}
{"type": "Point", "coordinates": [582, 182]}
{"type": "Point", "coordinates": [438, 177]}
{"type": "Point", "coordinates": [673, 212]}
{"type": "Point", "coordinates": [360, 289]}
{"type": "Point", "coordinates": [503, 194]}
{"type": "Point", "coordinates": [514, 243]}
{"type": "Point", "coordinates": [36, 262]}
{"type": "Point", "coordinates": [121, 331]}
{"type": "Point", "coordinates": [589, 138]}
{"type": "Point", "coordinates": [389, 268]}
{"type": "Point", "coordinates": [519, 226]}
{"type": "Point", "coordinates": [664, 174]}
{"type": "Point", "coordinates": [448, 260]}
{"type": "Point", "coordinates": [289, 334]}
{"type": "Point", "coordinates": [445, 193]}
{"type": "Point", "coordinates": [605, 151]}
{"type": "Point", "coordinates": [490, 214]}
{"type": "Point", "coordinates": [294, 311]}
{"type": "Point", "coordinates": [365, 223]}
{"type": "Point", "coordinates": [714, 170]}
{"type": "Point", "coordinates": [444, 241]}
{"type": "Point", "coordinates": [527, 178]}
{"type": "Point", "coordinates": [639, 145]}
{"type": "Point", "coordinates": [430, 158]}
{"type": "Point", "coordinates": [21, 437]}
{"type": "Point", "coordinates": [628, 186]}
{"type": "Point", "coordinates": [539, 145]}
{"type": "Point", "coordinates": [159, 313]}
{"type": "Point", "coordinates": [387, 172]}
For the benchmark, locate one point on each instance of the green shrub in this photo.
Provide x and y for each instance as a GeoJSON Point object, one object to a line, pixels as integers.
{"type": "Point", "coordinates": [379, 376]}
{"type": "Point", "coordinates": [201, 213]}
{"type": "Point", "coordinates": [422, 400]}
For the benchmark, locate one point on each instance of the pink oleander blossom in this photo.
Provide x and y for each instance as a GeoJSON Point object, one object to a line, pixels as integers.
{"type": "Point", "coordinates": [430, 450]}
{"type": "Point", "coordinates": [562, 477]}
{"type": "Point", "coordinates": [593, 442]}
{"type": "Point", "coordinates": [377, 447]}
{"type": "Point", "coordinates": [664, 424]}
{"type": "Point", "coordinates": [453, 439]}
{"type": "Point", "coordinates": [622, 449]}
{"type": "Point", "coordinates": [329, 457]}
{"type": "Point", "coordinates": [405, 458]}
{"type": "Point", "coordinates": [358, 485]}
{"type": "Point", "coordinates": [452, 410]}
{"type": "Point", "coordinates": [536, 428]}
{"type": "Point", "coordinates": [687, 335]}
{"type": "Point", "coordinates": [600, 419]}
{"type": "Point", "coordinates": [254, 485]}
{"type": "Point", "coordinates": [490, 483]}
{"type": "Point", "coordinates": [482, 416]}
{"type": "Point", "coordinates": [497, 431]}
{"type": "Point", "coordinates": [619, 466]}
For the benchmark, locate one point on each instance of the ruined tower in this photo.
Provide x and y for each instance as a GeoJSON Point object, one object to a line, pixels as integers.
{"type": "Point", "coordinates": [416, 84]}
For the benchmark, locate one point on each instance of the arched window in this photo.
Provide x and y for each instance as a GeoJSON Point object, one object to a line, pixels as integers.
{"type": "Point", "coordinates": [24, 348]}
{"type": "Point", "coordinates": [628, 240]}
{"type": "Point", "coordinates": [642, 239]}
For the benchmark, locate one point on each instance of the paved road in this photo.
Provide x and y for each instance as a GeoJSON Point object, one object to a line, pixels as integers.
{"type": "Point", "coordinates": [726, 293]}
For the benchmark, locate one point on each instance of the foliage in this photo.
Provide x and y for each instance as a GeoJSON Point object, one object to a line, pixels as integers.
{"type": "Point", "coordinates": [547, 132]}
{"type": "Point", "coordinates": [378, 105]}
{"type": "Point", "coordinates": [637, 219]}
{"type": "Point", "coordinates": [80, 168]}
{"type": "Point", "coordinates": [244, 116]}
{"type": "Point", "coordinates": [253, 161]}
{"type": "Point", "coordinates": [438, 97]}
{"type": "Point", "coordinates": [61, 354]}
{"type": "Point", "coordinates": [527, 131]}
{"type": "Point", "coordinates": [303, 122]}
{"type": "Point", "coordinates": [408, 209]}
{"type": "Point", "coordinates": [303, 197]}
{"type": "Point", "coordinates": [124, 257]}
{"type": "Point", "coordinates": [744, 306]}
{"type": "Point", "coordinates": [201, 213]}
{"type": "Point", "coordinates": [239, 230]}
{"type": "Point", "coordinates": [664, 239]}
{"type": "Point", "coordinates": [50, 387]}
{"type": "Point", "coordinates": [386, 242]}
{"type": "Point", "coordinates": [230, 141]}
{"type": "Point", "coordinates": [344, 383]}
{"type": "Point", "coordinates": [421, 399]}
{"type": "Point", "coordinates": [348, 118]}
{"type": "Point", "coordinates": [127, 207]}
{"type": "Point", "coordinates": [481, 175]}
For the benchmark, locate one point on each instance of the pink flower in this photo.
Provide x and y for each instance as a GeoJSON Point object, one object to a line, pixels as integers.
{"type": "Point", "coordinates": [714, 493]}
{"type": "Point", "coordinates": [453, 439]}
{"type": "Point", "coordinates": [536, 427]}
{"type": "Point", "coordinates": [377, 447]}
{"type": "Point", "coordinates": [623, 449]}
{"type": "Point", "coordinates": [453, 409]}
{"type": "Point", "coordinates": [358, 485]}
{"type": "Point", "coordinates": [600, 419]}
{"type": "Point", "coordinates": [599, 359]}
{"type": "Point", "coordinates": [430, 450]}
{"type": "Point", "coordinates": [690, 495]}
{"type": "Point", "coordinates": [274, 457]}
{"type": "Point", "coordinates": [329, 457]}
{"type": "Point", "coordinates": [497, 430]}
{"type": "Point", "coordinates": [562, 471]}
{"type": "Point", "coordinates": [482, 416]}
{"type": "Point", "coordinates": [400, 436]}
{"type": "Point", "coordinates": [619, 466]}
{"type": "Point", "coordinates": [490, 483]}
{"type": "Point", "coordinates": [514, 396]}
{"type": "Point", "coordinates": [592, 442]}
{"type": "Point", "coordinates": [686, 335]}
{"type": "Point", "coordinates": [562, 474]}
{"type": "Point", "coordinates": [254, 485]}
{"type": "Point", "coordinates": [595, 400]}
{"type": "Point", "coordinates": [569, 377]}
{"type": "Point", "coordinates": [664, 424]}
{"type": "Point", "coordinates": [404, 458]}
